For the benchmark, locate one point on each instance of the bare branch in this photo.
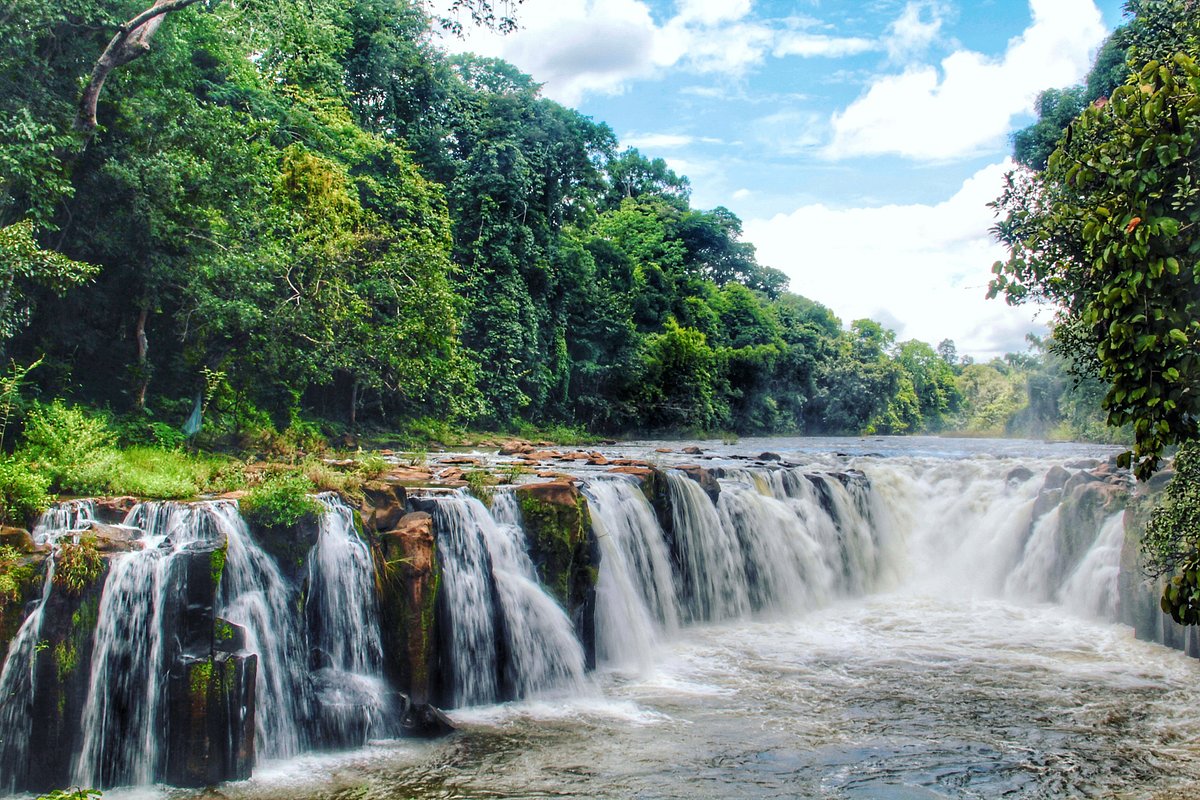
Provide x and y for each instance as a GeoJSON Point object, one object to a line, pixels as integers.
{"type": "Point", "coordinates": [131, 41]}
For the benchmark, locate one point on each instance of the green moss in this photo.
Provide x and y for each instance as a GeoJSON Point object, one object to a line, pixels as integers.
{"type": "Point", "coordinates": [217, 564]}
{"type": "Point", "coordinates": [559, 534]}
{"type": "Point", "coordinates": [14, 574]}
{"type": "Point", "coordinates": [223, 632]}
{"type": "Point", "coordinates": [200, 677]}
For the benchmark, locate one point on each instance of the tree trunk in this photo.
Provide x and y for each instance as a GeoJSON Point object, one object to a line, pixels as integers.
{"type": "Point", "coordinates": [353, 402]}
{"type": "Point", "coordinates": [143, 364]}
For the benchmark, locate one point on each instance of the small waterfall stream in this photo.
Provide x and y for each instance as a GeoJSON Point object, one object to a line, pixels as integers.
{"type": "Point", "coordinates": [17, 690]}
{"type": "Point", "coordinates": [343, 622]}
{"type": "Point", "coordinates": [637, 605]}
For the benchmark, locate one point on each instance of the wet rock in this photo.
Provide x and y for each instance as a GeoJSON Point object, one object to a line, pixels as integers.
{"type": "Point", "coordinates": [1019, 474]}
{"type": "Point", "coordinates": [692, 450]}
{"type": "Point", "coordinates": [662, 450]}
{"type": "Point", "coordinates": [61, 681]}
{"type": "Point", "coordinates": [466, 461]}
{"type": "Point", "coordinates": [114, 538]}
{"type": "Point", "coordinates": [769, 456]}
{"type": "Point", "coordinates": [705, 478]}
{"type": "Point", "coordinates": [408, 577]}
{"type": "Point", "coordinates": [383, 505]}
{"type": "Point", "coordinates": [408, 475]}
{"type": "Point", "coordinates": [515, 446]}
{"type": "Point", "coordinates": [1083, 463]}
{"type": "Point", "coordinates": [210, 711]}
{"type": "Point", "coordinates": [1056, 478]}
{"type": "Point", "coordinates": [425, 721]}
{"type": "Point", "coordinates": [114, 509]}
{"type": "Point", "coordinates": [1080, 479]}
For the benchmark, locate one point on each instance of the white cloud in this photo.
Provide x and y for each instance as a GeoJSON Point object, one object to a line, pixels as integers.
{"type": "Point", "coordinates": [664, 141]}
{"type": "Point", "coordinates": [810, 45]}
{"type": "Point", "coordinates": [913, 31]}
{"type": "Point", "coordinates": [573, 47]}
{"type": "Point", "coordinates": [969, 103]}
{"type": "Point", "coordinates": [927, 265]}
{"type": "Point", "coordinates": [712, 12]}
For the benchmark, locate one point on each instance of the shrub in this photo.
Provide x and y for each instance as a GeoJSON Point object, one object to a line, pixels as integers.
{"type": "Point", "coordinates": [24, 493]}
{"type": "Point", "coordinates": [281, 500]}
{"type": "Point", "coordinates": [77, 564]}
{"type": "Point", "coordinates": [71, 447]}
{"type": "Point", "coordinates": [13, 573]}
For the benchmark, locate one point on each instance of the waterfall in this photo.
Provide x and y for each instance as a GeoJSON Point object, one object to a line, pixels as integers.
{"type": "Point", "coordinates": [121, 743]}
{"type": "Point", "coordinates": [508, 637]}
{"type": "Point", "coordinates": [1092, 588]}
{"type": "Point", "coordinates": [712, 567]}
{"type": "Point", "coordinates": [636, 603]}
{"type": "Point", "coordinates": [255, 595]}
{"type": "Point", "coordinates": [60, 518]}
{"type": "Point", "coordinates": [468, 593]}
{"type": "Point", "coordinates": [543, 652]}
{"type": "Point", "coordinates": [787, 569]}
{"type": "Point", "coordinates": [342, 609]}
{"type": "Point", "coordinates": [17, 691]}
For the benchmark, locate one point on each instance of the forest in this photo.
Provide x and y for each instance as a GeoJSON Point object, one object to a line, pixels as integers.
{"type": "Point", "coordinates": [312, 220]}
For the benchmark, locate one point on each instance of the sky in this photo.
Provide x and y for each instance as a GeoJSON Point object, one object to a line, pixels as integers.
{"type": "Point", "coordinates": [860, 142]}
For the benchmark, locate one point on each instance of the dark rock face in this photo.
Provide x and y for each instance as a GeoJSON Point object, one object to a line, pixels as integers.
{"type": "Point", "coordinates": [61, 681]}
{"type": "Point", "coordinates": [289, 546]}
{"type": "Point", "coordinates": [424, 721]}
{"type": "Point", "coordinates": [408, 576]}
{"type": "Point", "coordinates": [210, 718]}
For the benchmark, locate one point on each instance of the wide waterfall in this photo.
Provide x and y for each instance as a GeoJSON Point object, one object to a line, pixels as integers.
{"type": "Point", "coordinates": [832, 622]}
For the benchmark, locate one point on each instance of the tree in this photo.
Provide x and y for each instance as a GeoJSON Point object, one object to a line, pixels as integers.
{"type": "Point", "coordinates": [1109, 232]}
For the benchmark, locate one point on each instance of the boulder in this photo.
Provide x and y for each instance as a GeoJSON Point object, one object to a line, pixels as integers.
{"type": "Point", "coordinates": [1019, 474]}
{"type": "Point", "coordinates": [1056, 478]}
{"type": "Point", "coordinates": [465, 461]}
{"type": "Point", "coordinates": [114, 538]}
{"type": "Point", "coordinates": [425, 721]}
{"type": "Point", "coordinates": [692, 450]}
{"type": "Point", "coordinates": [383, 505]}
{"type": "Point", "coordinates": [769, 456]}
{"type": "Point", "coordinates": [114, 509]}
{"type": "Point", "coordinates": [18, 539]}
{"type": "Point", "coordinates": [514, 447]}
{"type": "Point", "coordinates": [708, 482]}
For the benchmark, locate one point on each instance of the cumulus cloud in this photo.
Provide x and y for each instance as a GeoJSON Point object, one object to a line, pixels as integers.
{"type": "Point", "coordinates": [968, 102]}
{"type": "Point", "coordinates": [927, 265]}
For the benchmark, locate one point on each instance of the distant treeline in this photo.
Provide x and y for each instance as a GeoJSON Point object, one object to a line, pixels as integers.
{"type": "Point", "coordinates": [300, 211]}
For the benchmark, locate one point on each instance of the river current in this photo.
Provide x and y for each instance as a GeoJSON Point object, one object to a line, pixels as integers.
{"type": "Point", "coordinates": [960, 674]}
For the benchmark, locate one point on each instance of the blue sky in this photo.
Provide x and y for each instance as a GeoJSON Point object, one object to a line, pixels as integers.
{"type": "Point", "coordinates": [858, 142]}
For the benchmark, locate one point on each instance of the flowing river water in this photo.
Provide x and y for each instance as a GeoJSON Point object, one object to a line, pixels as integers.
{"type": "Point", "coordinates": [940, 656]}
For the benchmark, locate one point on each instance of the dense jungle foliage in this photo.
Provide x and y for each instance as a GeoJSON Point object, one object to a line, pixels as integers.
{"type": "Point", "coordinates": [1102, 221]}
{"type": "Point", "coordinates": [305, 218]}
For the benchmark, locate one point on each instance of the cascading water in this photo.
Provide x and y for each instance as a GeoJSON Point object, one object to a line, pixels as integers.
{"type": "Point", "coordinates": [991, 534]}
{"type": "Point", "coordinates": [342, 609]}
{"type": "Point", "coordinates": [492, 593]}
{"type": "Point", "coordinates": [636, 605]}
{"type": "Point", "coordinates": [1092, 589]}
{"type": "Point", "coordinates": [544, 655]}
{"type": "Point", "coordinates": [17, 690]}
{"type": "Point", "coordinates": [255, 596]}
{"type": "Point", "coordinates": [712, 567]}
{"type": "Point", "coordinates": [121, 717]}
{"type": "Point", "coordinates": [468, 592]}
